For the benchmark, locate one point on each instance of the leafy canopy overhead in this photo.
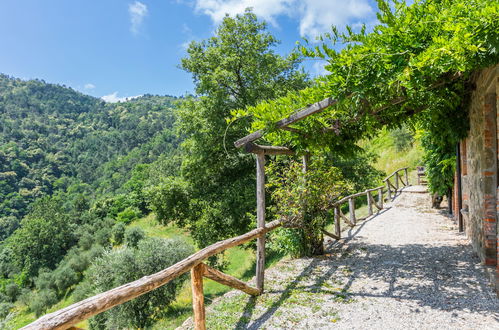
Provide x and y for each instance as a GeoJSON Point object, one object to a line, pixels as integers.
{"type": "Point", "coordinates": [415, 62]}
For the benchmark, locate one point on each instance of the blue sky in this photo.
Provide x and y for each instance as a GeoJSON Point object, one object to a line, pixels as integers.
{"type": "Point", "coordinates": [120, 48]}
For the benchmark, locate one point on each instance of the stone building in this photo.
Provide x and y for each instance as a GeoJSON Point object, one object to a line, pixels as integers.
{"type": "Point", "coordinates": [476, 188]}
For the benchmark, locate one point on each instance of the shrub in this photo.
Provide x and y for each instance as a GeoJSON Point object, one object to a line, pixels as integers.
{"type": "Point", "coordinates": [7, 226]}
{"type": "Point", "coordinates": [133, 236]}
{"type": "Point", "coordinates": [402, 138]}
{"type": "Point", "coordinates": [42, 301]}
{"type": "Point", "coordinates": [302, 200]}
{"type": "Point", "coordinates": [128, 215]}
{"type": "Point", "coordinates": [124, 265]}
{"type": "Point", "coordinates": [86, 240]}
{"type": "Point", "coordinates": [5, 309]}
{"type": "Point", "coordinates": [12, 291]}
{"type": "Point", "coordinates": [45, 280]}
{"type": "Point", "coordinates": [118, 233]}
{"type": "Point", "coordinates": [64, 278]}
{"type": "Point", "coordinates": [103, 236]}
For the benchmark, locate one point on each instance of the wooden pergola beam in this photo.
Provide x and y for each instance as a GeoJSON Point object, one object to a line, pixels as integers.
{"type": "Point", "coordinates": [267, 150]}
{"type": "Point", "coordinates": [302, 114]}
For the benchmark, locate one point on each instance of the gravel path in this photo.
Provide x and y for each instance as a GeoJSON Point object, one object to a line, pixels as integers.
{"type": "Point", "coordinates": [405, 268]}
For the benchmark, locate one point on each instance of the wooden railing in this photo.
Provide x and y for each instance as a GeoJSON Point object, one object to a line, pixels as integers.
{"type": "Point", "coordinates": [394, 187]}
{"type": "Point", "coordinates": [80, 311]}
{"type": "Point", "coordinates": [351, 220]}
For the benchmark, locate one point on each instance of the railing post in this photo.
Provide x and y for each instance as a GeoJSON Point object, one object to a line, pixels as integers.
{"type": "Point", "coordinates": [337, 226]}
{"type": "Point", "coordinates": [406, 177]}
{"type": "Point", "coordinates": [198, 297]}
{"type": "Point", "coordinates": [380, 198]}
{"type": "Point", "coordinates": [388, 188]}
{"type": "Point", "coordinates": [351, 205]}
{"type": "Point", "coordinates": [260, 217]}
{"type": "Point", "coordinates": [396, 182]}
{"type": "Point", "coordinates": [369, 203]}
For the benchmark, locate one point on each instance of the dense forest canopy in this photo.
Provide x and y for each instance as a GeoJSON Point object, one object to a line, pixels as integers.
{"type": "Point", "coordinates": [53, 137]}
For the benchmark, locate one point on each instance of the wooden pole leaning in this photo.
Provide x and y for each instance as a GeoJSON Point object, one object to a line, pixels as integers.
{"type": "Point", "coordinates": [260, 217]}
{"type": "Point", "coordinates": [228, 280]}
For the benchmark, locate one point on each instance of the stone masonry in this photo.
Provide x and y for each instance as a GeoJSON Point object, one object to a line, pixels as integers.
{"type": "Point", "coordinates": [479, 171]}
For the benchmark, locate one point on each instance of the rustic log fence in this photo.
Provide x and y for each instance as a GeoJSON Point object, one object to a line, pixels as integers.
{"type": "Point", "coordinates": [80, 311]}
{"type": "Point", "coordinates": [372, 203]}
{"type": "Point", "coordinates": [394, 186]}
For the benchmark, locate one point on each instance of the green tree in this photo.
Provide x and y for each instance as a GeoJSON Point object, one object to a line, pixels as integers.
{"type": "Point", "coordinates": [124, 265]}
{"type": "Point", "coordinates": [46, 234]}
{"type": "Point", "coordinates": [238, 67]}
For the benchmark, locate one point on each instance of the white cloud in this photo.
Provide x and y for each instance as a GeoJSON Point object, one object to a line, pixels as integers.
{"type": "Point", "coordinates": [137, 11]}
{"type": "Point", "coordinates": [113, 98]}
{"type": "Point", "coordinates": [315, 16]}
{"type": "Point", "coordinates": [319, 68]}
{"type": "Point", "coordinates": [89, 86]}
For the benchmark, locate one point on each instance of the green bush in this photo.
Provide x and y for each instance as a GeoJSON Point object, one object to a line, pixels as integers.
{"type": "Point", "coordinates": [118, 233]}
{"type": "Point", "coordinates": [128, 215]}
{"type": "Point", "coordinates": [402, 138]}
{"type": "Point", "coordinates": [5, 309]}
{"type": "Point", "coordinates": [7, 226]}
{"type": "Point", "coordinates": [64, 278]}
{"type": "Point", "coordinates": [12, 291]}
{"type": "Point", "coordinates": [133, 236]}
{"type": "Point", "coordinates": [302, 200]}
{"type": "Point", "coordinates": [42, 300]}
{"type": "Point", "coordinates": [124, 265]}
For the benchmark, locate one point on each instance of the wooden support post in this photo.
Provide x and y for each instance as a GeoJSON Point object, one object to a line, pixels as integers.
{"type": "Point", "coordinates": [337, 219]}
{"type": "Point", "coordinates": [305, 162]}
{"type": "Point", "coordinates": [198, 297]}
{"type": "Point", "coordinates": [380, 198]}
{"type": "Point", "coordinates": [369, 203]}
{"type": "Point", "coordinates": [351, 205]}
{"type": "Point", "coordinates": [260, 217]}
{"type": "Point", "coordinates": [406, 177]}
{"type": "Point", "coordinates": [396, 182]}
{"type": "Point", "coordinates": [389, 188]}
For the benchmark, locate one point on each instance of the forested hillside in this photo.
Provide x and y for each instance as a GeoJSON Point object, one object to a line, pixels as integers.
{"type": "Point", "coordinates": [52, 137]}
{"type": "Point", "coordinates": [71, 166]}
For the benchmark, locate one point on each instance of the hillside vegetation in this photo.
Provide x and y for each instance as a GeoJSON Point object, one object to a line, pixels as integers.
{"type": "Point", "coordinates": [54, 138]}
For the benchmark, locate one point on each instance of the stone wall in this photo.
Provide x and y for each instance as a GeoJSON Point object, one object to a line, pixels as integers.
{"type": "Point", "coordinates": [479, 156]}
